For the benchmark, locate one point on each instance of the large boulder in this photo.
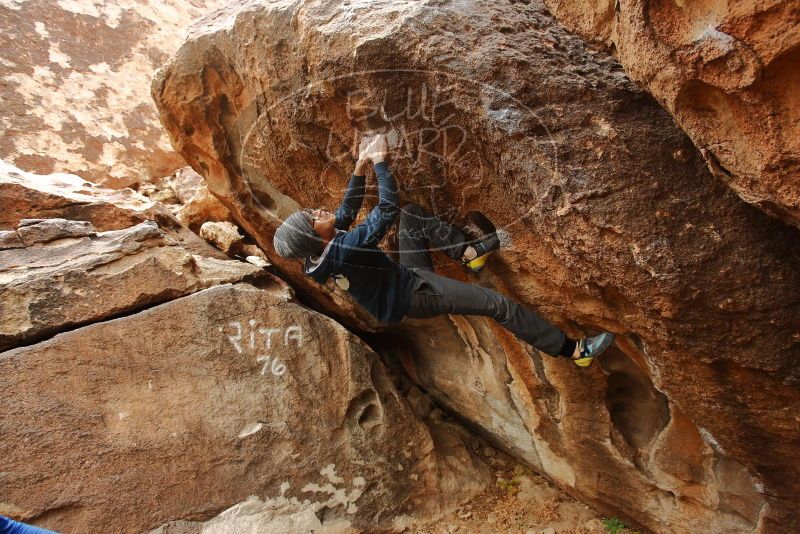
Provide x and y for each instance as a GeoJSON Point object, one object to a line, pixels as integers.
{"type": "Point", "coordinates": [74, 85]}
{"type": "Point", "coordinates": [727, 71]}
{"type": "Point", "coordinates": [234, 394]}
{"type": "Point", "coordinates": [65, 275]}
{"type": "Point", "coordinates": [329, 459]}
{"type": "Point", "coordinates": [616, 223]}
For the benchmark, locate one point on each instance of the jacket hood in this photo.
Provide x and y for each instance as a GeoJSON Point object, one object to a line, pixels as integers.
{"type": "Point", "coordinates": [319, 267]}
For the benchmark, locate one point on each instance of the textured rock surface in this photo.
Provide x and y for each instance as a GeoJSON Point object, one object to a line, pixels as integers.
{"type": "Point", "coordinates": [615, 220]}
{"type": "Point", "coordinates": [176, 189]}
{"type": "Point", "coordinates": [77, 279]}
{"type": "Point", "coordinates": [224, 235]}
{"type": "Point", "coordinates": [185, 182]}
{"type": "Point", "coordinates": [727, 71]}
{"type": "Point", "coordinates": [255, 516]}
{"type": "Point", "coordinates": [27, 195]}
{"type": "Point", "coordinates": [201, 208]}
{"type": "Point", "coordinates": [75, 78]}
{"type": "Point", "coordinates": [32, 231]}
{"type": "Point", "coordinates": [10, 239]}
{"type": "Point", "coordinates": [187, 408]}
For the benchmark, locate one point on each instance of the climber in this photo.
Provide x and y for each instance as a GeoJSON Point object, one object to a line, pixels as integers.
{"type": "Point", "coordinates": [391, 291]}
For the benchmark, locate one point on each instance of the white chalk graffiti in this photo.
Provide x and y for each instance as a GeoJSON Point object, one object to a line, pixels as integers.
{"type": "Point", "coordinates": [258, 339]}
{"type": "Point", "coordinates": [277, 368]}
{"type": "Point", "coordinates": [237, 338]}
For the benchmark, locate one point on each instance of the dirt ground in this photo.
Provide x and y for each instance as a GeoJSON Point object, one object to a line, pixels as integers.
{"type": "Point", "coordinates": [521, 502]}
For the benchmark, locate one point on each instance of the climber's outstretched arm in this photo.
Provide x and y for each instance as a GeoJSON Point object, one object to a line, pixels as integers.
{"type": "Point", "coordinates": [380, 219]}
{"type": "Point", "coordinates": [353, 198]}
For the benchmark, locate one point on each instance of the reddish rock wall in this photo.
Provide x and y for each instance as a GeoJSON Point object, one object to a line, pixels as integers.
{"type": "Point", "coordinates": [615, 221]}
{"type": "Point", "coordinates": [74, 85]}
{"type": "Point", "coordinates": [728, 71]}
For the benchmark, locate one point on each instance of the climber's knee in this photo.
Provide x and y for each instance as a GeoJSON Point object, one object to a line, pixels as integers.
{"type": "Point", "coordinates": [412, 216]}
{"type": "Point", "coordinates": [412, 210]}
{"type": "Point", "coordinates": [503, 309]}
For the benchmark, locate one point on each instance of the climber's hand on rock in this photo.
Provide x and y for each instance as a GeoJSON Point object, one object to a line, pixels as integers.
{"type": "Point", "coordinates": [376, 150]}
{"type": "Point", "coordinates": [363, 160]}
{"type": "Point", "coordinates": [362, 146]}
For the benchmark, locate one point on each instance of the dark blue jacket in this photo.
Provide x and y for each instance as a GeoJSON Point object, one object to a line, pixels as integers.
{"type": "Point", "coordinates": [353, 258]}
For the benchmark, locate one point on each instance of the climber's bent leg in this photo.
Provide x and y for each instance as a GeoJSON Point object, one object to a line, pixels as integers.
{"type": "Point", "coordinates": [437, 295]}
{"type": "Point", "coordinates": [419, 231]}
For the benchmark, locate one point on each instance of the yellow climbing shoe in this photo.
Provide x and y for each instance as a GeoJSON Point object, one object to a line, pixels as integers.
{"type": "Point", "coordinates": [478, 263]}
{"type": "Point", "coordinates": [488, 244]}
{"type": "Point", "coordinates": [591, 347]}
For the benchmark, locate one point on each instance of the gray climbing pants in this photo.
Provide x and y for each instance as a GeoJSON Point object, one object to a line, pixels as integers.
{"type": "Point", "coordinates": [433, 295]}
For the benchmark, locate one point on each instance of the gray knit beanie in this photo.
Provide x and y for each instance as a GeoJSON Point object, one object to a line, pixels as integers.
{"type": "Point", "coordinates": [296, 238]}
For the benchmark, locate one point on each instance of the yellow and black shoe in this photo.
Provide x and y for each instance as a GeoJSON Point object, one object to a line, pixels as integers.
{"type": "Point", "coordinates": [591, 347]}
{"type": "Point", "coordinates": [484, 248]}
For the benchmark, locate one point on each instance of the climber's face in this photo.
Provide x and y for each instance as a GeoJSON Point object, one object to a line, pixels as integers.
{"type": "Point", "coordinates": [323, 221]}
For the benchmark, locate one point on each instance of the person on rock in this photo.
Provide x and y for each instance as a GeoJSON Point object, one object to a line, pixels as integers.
{"type": "Point", "coordinates": [391, 290]}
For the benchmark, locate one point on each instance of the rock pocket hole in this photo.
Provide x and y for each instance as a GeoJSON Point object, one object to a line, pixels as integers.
{"type": "Point", "coordinates": [326, 514]}
{"type": "Point", "coordinates": [265, 200]}
{"type": "Point", "coordinates": [364, 410]}
{"type": "Point", "coordinates": [369, 417]}
{"type": "Point", "coordinates": [638, 411]}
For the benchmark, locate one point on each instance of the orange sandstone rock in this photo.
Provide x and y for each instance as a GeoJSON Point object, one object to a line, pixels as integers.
{"type": "Point", "coordinates": [616, 223]}
{"type": "Point", "coordinates": [727, 71]}
{"type": "Point", "coordinates": [74, 86]}
{"type": "Point", "coordinates": [188, 408]}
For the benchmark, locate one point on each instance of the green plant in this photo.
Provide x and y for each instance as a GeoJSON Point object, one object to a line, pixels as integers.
{"type": "Point", "coordinates": [613, 525]}
{"type": "Point", "coordinates": [520, 470]}
{"type": "Point", "coordinates": [511, 486]}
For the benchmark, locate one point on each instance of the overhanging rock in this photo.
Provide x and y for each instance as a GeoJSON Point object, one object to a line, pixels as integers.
{"type": "Point", "coordinates": [727, 71]}
{"type": "Point", "coordinates": [615, 221]}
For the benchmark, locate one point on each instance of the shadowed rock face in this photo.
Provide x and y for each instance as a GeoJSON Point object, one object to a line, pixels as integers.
{"type": "Point", "coordinates": [188, 408]}
{"type": "Point", "coordinates": [74, 85]}
{"type": "Point", "coordinates": [615, 223]}
{"type": "Point", "coordinates": [728, 72]}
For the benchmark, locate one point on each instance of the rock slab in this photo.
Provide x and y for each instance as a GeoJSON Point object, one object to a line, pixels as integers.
{"type": "Point", "coordinates": [80, 276]}
{"type": "Point", "coordinates": [27, 195]}
{"type": "Point", "coordinates": [188, 408]}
